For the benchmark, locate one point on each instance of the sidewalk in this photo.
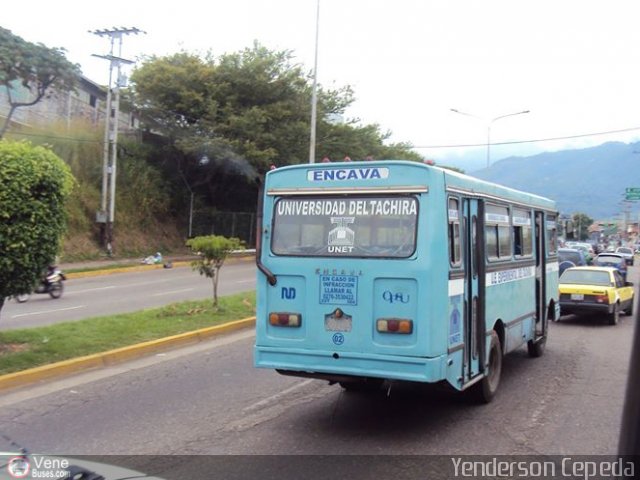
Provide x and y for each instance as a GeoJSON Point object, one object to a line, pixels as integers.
{"type": "Point", "coordinates": [115, 265]}
{"type": "Point", "coordinates": [109, 266]}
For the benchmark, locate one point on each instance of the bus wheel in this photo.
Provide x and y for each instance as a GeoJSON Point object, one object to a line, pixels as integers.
{"type": "Point", "coordinates": [485, 390]}
{"type": "Point", "coordinates": [364, 385]}
{"type": "Point", "coordinates": [536, 349]}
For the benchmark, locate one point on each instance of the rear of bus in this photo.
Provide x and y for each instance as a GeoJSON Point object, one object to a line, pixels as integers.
{"type": "Point", "coordinates": [353, 272]}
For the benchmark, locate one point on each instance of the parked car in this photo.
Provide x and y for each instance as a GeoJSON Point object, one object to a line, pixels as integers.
{"type": "Point", "coordinates": [585, 290]}
{"type": "Point", "coordinates": [627, 253]}
{"type": "Point", "coordinates": [570, 257]}
{"type": "Point", "coordinates": [614, 260]}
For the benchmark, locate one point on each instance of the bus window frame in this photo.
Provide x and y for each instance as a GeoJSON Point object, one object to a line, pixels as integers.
{"type": "Point", "coordinates": [516, 212]}
{"type": "Point", "coordinates": [551, 234]}
{"type": "Point", "coordinates": [497, 226]}
{"type": "Point", "coordinates": [451, 227]}
{"type": "Point", "coordinates": [412, 254]}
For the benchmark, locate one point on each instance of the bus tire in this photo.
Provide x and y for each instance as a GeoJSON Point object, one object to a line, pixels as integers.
{"type": "Point", "coordinates": [614, 316]}
{"type": "Point", "coordinates": [485, 389]}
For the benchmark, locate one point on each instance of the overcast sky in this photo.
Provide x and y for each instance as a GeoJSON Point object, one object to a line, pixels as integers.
{"type": "Point", "coordinates": [575, 64]}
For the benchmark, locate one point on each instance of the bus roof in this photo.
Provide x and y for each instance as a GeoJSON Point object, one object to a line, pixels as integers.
{"type": "Point", "coordinates": [353, 175]}
{"type": "Point", "coordinates": [470, 184]}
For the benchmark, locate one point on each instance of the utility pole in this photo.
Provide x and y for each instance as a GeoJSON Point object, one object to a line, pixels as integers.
{"type": "Point", "coordinates": [105, 216]}
{"type": "Point", "coordinates": [314, 93]}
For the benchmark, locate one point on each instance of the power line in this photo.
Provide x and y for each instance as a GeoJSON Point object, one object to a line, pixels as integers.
{"type": "Point", "coordinates": [461, 145]}
{"type": "Point", "coordinates": [514, 142]}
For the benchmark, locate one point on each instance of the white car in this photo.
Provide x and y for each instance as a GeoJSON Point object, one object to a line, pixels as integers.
{"type": "Point", "coordinates": [627, 253]}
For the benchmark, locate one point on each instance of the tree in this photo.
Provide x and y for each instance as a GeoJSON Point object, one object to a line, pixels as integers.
{"type": "Point", "coordinates": [359, 142]}
{"type": "Point", "coordinates": [245, 111]}
{"type": "Point", "coordinates": [212, 251]}
{"type": "Point", "coordinates": [31, 67]}
{"type": "Point", "coordinates": [581, 224]}
{"type": "Point", "coordinates": [34, 184]}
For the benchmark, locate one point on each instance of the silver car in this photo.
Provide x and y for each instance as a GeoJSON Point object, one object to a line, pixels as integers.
{"type": "Point", "coordinates": [627, 254]}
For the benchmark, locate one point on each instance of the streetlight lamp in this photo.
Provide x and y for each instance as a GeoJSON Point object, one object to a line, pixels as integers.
{"type": "Point", "coordinates": [489, 123]}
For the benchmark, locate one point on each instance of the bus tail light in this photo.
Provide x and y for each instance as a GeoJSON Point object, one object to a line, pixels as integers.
{"type": "Point", "coordinates": [285, 319]}
{"type": "Point", "coordinates": [394, 325]}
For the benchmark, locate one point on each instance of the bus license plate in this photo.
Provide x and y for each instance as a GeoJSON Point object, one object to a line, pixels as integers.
{"type": "Point", "coordinates": [577, 296]}
{"type": "Point", "coordinates": [333, 324]}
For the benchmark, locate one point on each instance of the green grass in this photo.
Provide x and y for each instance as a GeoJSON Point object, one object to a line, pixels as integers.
{"type": "Point", "coordinates": [28, 348]}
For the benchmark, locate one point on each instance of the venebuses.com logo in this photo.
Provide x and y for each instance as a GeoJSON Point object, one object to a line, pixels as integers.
{"type": "Point", "coordinates": [37, 466]}
{"type": "Point", "coordinates": [18, 467]}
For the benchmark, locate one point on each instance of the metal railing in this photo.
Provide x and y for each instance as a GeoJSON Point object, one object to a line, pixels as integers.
{"type": "Point", "coordinates": [241, 225]}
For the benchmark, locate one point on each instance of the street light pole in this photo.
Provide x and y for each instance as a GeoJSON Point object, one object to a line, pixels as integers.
{"type": "Point", "coordinates": [489, 123]}
{"type": "Point", "coordinates": [314, 93]}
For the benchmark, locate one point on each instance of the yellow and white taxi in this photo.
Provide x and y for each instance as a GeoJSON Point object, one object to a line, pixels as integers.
{"type": "Point", "coordinates": [595, 290]}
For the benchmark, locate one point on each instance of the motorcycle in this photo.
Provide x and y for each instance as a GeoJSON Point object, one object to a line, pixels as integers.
{"type": "Point", "coordinates": [51, 283]}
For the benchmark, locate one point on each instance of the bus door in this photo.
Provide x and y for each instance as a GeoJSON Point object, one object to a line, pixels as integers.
{"type": "Point", "coordinates": [474, 285]}
{"type": "Point", "coordinates": [541, 272]}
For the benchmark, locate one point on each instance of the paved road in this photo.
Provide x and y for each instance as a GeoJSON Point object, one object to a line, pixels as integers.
{"type": "Point", "coordinates": [208, 399]}
{"type": "Point", "coordinates": [125, 292]}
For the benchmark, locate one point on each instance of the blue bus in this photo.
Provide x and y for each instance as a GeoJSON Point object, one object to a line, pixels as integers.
{"type": "Point", "coordinates": [400, 271]}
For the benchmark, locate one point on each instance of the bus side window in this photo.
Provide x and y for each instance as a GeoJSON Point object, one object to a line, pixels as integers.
{"type": "Point", "coordinates": [517, 241]}
{"type": "Point", "coordinates": [454, 232]}
{"type": "Point", "coordinates": [491, 240]}
{"type": "Point", "coordinates": [522, 234]}
{"type": "Point", "coordinates": [497, 233]}
{"type": "Point", "coordinates": [552, 235]}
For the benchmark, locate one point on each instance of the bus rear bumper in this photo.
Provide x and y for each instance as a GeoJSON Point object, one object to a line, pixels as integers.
{"type": "Point", "coordinates": [335, 365]}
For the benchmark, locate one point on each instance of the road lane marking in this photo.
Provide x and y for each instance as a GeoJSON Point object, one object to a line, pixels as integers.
{"type": "Point", "coordinates": [150, 282]}
{"type": "Point", "coordinates": [48, 311]}
{"type": "Point", "coordinates": [91, 289]}
{"type": "Point", "coordinates": [172, 292]}
{"type": "Point", "coordinates": [245, 281]}
{"type": "Point", "coordinates": [273, 398]}
{"type": "Point", "coordinates": [276, 405]}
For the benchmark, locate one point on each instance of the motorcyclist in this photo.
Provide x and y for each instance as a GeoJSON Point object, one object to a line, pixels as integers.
{"type": "Point", "coordinates": [52, 270]}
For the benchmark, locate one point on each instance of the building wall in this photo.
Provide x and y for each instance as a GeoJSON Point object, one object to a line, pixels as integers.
{"type": "Point", "coordinates": [87, 103]}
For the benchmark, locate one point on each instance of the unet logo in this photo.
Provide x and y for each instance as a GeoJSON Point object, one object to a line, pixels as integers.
{"type": "Point", "coordinates": [341, 174]}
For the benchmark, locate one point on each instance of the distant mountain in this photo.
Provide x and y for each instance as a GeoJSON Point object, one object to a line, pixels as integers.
{"type": "Point", "coordinates": [591, 180]}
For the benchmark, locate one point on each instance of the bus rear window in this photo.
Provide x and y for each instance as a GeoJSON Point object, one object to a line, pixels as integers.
{"type": "Point", "coordinates": [382, 227]}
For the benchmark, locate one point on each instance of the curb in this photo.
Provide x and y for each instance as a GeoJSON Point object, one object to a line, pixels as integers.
{"type": "Point", "coordinates": [118, 355]}
{"type": "Point", "coordinates": [142, 268]}
{"type": "Point", "coordinates": [133, 268]}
